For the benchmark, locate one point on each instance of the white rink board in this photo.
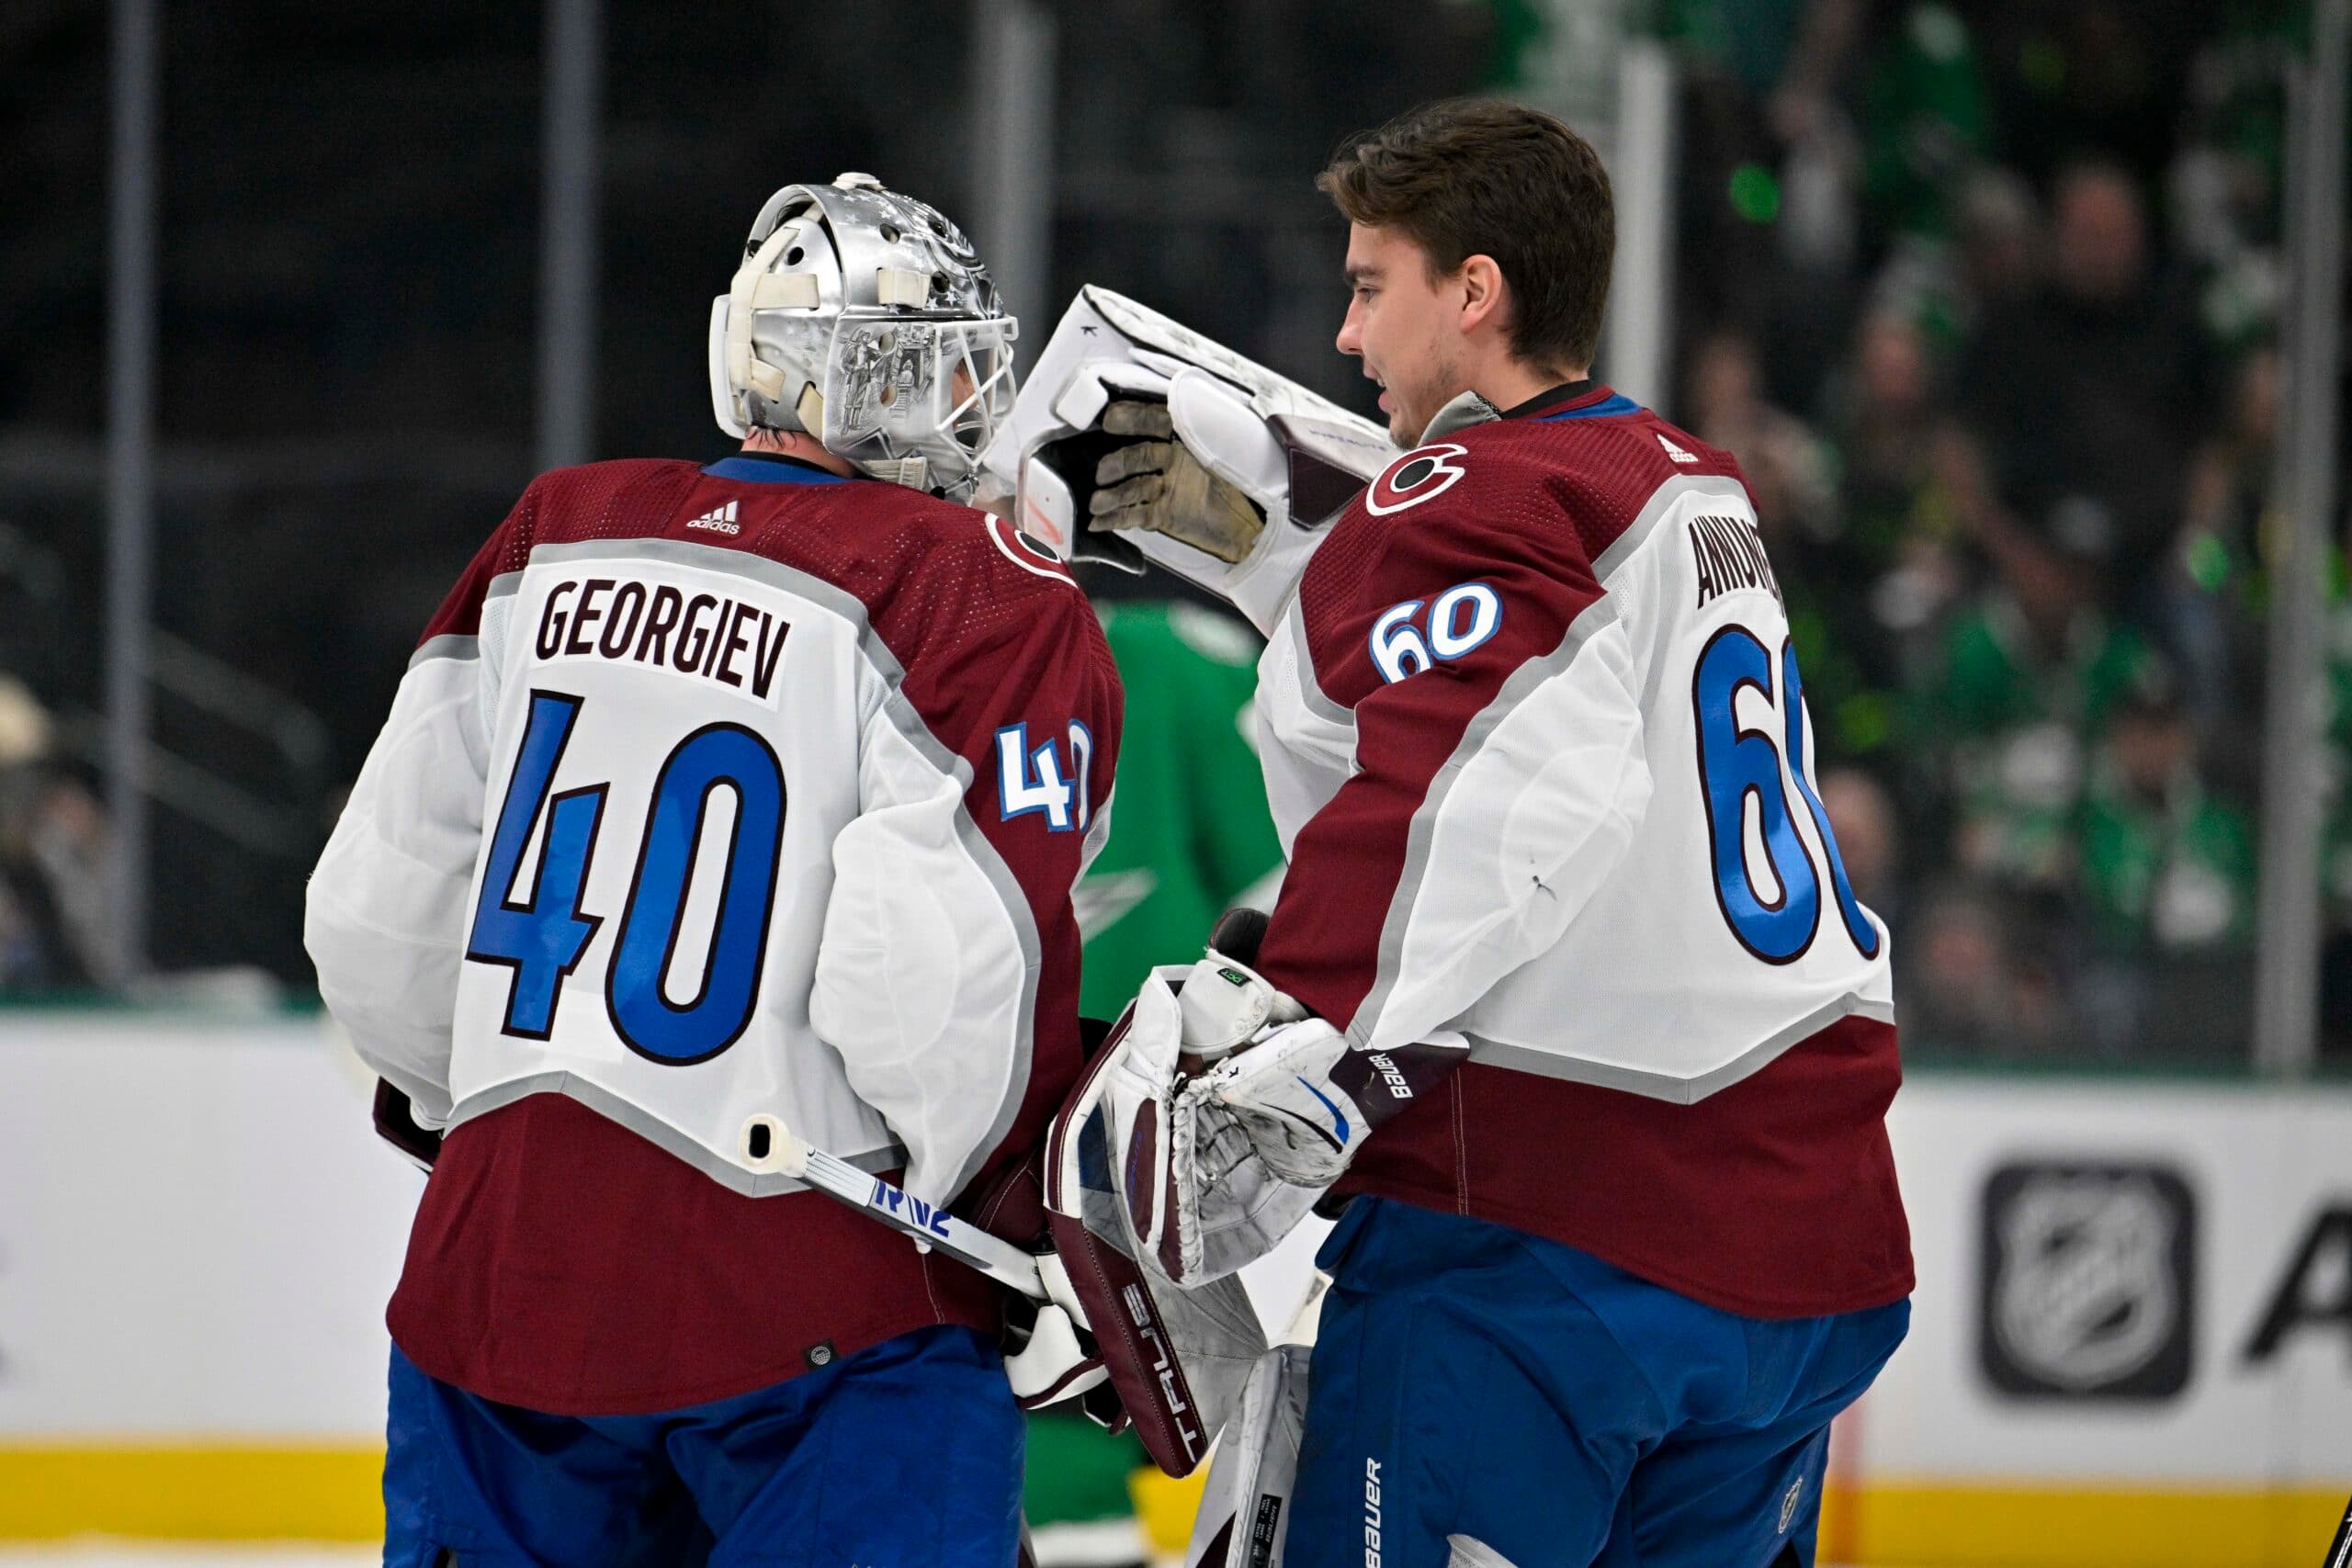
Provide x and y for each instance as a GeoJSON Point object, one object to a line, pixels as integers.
{"type": "Point", "coordinates": [2261, 1166]}
{"type": "Point", "coordinates": [198, 1231]}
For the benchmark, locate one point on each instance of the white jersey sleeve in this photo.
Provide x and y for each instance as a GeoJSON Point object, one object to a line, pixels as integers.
{"type": "Point", "coordinates": [385, 920]}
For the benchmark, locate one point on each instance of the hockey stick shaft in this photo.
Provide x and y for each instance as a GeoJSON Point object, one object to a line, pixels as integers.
{"type": "Point", "coordinates": [2339, 1551]}
{"type": "Point", "coordinates": [892, 1206]}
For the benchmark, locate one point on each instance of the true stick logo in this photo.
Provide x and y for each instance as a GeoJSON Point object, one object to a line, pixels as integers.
{"type": "Point", "coordinates": [1371, 1513]}
{"type": "Point", "coordinates": [1789, 1506]}
{"type": "Point", "coordinates": [893, 1201]}
{"type": "Point", "coordinates": [1163, 1367]}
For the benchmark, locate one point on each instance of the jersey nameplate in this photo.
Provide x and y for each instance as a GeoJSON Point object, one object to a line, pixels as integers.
{"type": "Point", "coordinates": [1729, 555]}
{"type": "Point", "coordinates": [719, 639]}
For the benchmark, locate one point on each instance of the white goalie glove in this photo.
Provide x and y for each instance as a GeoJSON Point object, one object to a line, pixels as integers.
{"type": "Point", "coordinates": [1136, 439]}
{"type": "Point", "coordinates": [1216, 1167]}
{"type": "Point", "coordinates": [1282, 1095]}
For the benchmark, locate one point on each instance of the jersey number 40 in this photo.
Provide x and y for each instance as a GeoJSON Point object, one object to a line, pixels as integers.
{"type": "Point", "coordinates": [542, 934]}
{"type": "Point", "coordinates": [1736, 764]}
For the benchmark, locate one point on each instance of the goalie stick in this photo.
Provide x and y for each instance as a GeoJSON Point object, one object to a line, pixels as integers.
{"type": "Point", "coordinates": [2339, 1551]}
{"type": "Point", "coordinates": [791, 1154]}
{"type": "Point", "coordinates": [769, 1145]}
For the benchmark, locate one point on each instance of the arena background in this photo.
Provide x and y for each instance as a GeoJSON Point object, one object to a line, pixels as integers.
{"type": "Point", "coordinates": [2022, 316]}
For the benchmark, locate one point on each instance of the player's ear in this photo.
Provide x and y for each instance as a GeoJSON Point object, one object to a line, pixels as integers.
{"type": "Point", "coordinates": [1483, 293]}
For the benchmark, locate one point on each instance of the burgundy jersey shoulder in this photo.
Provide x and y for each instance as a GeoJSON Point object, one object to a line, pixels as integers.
{"type": "Point", "coordinates": [1601, 460]}
{"type": "Point", "coordinates": [1592, 464]}
{"type": "Point", "coordinates": [941, 582]}
{"type": "Point", "coordinates": [591, 500]}
{"type": "Point", "coordinates": [935, 578]}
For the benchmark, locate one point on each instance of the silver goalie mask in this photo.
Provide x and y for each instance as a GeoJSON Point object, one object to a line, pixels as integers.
{"type": "Point", "coordinates": [864, 318]}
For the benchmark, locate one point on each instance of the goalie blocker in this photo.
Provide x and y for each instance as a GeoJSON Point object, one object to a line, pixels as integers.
{"type": "Point", "coordinates": [1298, 457]}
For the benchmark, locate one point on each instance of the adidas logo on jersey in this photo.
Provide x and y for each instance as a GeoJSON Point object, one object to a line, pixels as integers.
{"type": "Point", "coordinates": [1679, 454]}
{"type": "Point", "coordinates": [718, 520]}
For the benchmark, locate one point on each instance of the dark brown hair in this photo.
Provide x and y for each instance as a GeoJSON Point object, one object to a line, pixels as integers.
{"type": "Point", "coordinates": [1478, 177]}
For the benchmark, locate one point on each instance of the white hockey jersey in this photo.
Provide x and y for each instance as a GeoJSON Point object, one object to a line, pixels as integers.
{"type": "Point", "coordinates": [729, 791]}
{"type": "Point", "coordinates": [1536, 741]}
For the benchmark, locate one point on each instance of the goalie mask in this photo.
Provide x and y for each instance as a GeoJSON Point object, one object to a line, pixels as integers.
{"type": "Point", "coordinates": [863, 318]}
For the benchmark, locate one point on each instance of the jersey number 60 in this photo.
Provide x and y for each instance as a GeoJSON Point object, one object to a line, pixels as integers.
{"type": "Point", "coordinates": [544, 936]}
{"type": "Point", "coordinates": [1736, 764]}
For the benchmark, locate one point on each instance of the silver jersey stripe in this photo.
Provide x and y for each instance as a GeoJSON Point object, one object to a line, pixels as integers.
{"type": "Point", "coordinates": [1664, 1086]}
{"type": "Point", "coordinates": [448, 645]}
{"type": "Point", "coordinates": [610, 1106]}
{"type": "Point", "coordinates": [907, 722]}
{"type": "Point", "coordinates": [1662, 501]}
{"type": "Point", "coordinates": [1593, 619]}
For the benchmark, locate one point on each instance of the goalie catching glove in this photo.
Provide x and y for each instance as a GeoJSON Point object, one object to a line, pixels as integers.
{"type": "Point", "coordinates": [1211, 1171]}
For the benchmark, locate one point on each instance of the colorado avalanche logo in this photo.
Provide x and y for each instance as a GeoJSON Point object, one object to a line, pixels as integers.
{"type": "Point", "coordinates": [1026, 550]}
{"type": "Point", "coordinates": [1418, 476]}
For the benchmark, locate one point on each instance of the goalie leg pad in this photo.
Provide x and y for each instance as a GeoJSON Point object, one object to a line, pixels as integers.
{"type": "Point", "coordinates": [1245, 1508]}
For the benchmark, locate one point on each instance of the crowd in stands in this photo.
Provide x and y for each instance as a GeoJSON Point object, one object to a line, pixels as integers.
{"type": "Point", "coordinates": [1998, 357]}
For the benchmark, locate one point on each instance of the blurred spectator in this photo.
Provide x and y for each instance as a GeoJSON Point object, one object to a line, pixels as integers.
{"type": "Point", "coordinates": [1966, 986]}
{"type": "Point", "coordinates": [2086, 397]}
{"type": "Point", "coordinates": [2167, 867]}
{"type": "Point", "coordinates": [1862, 815]}
{"type": "Point", "coordinates": [1788, 468]}
{"type": "Point", "coordinates": [1863, 592]}
{"type": "Point", "coordinates": [1992, 260]}
{"type": "Point", "coordinates": [2214, 592]}
{"type": "Point", "coordinates": [2030, 668]}
{"type": "Point", "coordinates": [57, 932]}
{"type": "Point", "coordinates": [1924, 121]}
{"type": "Point", "coordinates": [1885, 414]}
{"type": "Point", "coordinates": [2168, 885]}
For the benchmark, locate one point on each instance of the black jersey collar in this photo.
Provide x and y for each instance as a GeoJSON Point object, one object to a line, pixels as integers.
{"type": "Point", "coordinates": [1561, 395]}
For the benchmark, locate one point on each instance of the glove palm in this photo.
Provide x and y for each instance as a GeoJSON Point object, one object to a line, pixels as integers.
{"type": "Point", "coordinates": [1155, 484]}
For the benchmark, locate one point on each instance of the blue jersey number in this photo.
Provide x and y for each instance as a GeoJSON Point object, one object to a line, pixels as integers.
{"type": "Point", "coordinates": [543, 938]}
{"type": "Point", "coordinates": [1738, 764]}
{"type": "Point", "coordinates": [1462, 618]}
{"type": "Point", "coordinates": [1031, 780]}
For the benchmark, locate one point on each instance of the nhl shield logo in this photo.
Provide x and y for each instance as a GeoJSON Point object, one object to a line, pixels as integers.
{"type": "Point", "coordinates": [2088, 1283]}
